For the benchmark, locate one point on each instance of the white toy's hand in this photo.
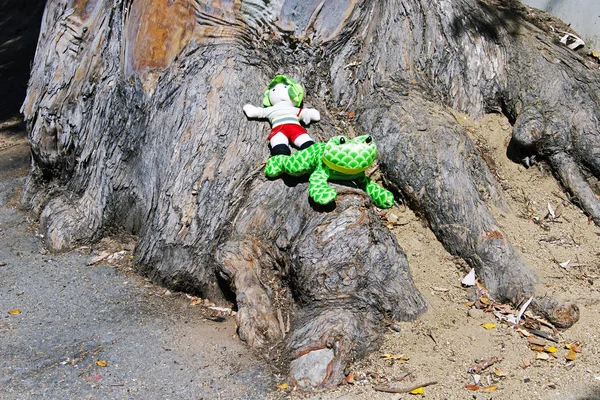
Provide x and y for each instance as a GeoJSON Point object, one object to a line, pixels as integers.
{"type": "Point", "coordinates": [310, 114]}
{"type": "Point", "coordinates": [252, 112]}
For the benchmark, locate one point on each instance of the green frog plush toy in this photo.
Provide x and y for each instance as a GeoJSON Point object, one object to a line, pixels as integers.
{"type": "Point", "coordinates": [339, 159]}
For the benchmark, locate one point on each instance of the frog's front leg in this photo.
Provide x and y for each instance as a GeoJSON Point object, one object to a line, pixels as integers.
{"type": "Point", "coordinates": [381, 197]}
{"type": "Point", "coordinates": [318, 189]}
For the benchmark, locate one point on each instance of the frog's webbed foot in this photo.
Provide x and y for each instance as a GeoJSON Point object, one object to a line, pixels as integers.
{"type": "Point", "coordinates": [319, 190]}
{"type": "Point", "coordinates": [382, 198]}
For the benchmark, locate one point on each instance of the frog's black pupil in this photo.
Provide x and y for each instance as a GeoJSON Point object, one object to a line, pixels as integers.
{"type": "Point", "coordinates": [368, 140]}
{"type": "Point", "coordinates": [342, 140]}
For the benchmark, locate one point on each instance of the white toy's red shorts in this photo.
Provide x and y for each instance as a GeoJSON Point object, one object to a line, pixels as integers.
{"type": "Point", "coordinates": [291, 131]}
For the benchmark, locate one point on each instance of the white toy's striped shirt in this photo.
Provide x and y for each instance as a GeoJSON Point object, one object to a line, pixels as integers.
{"type": "Point", "coordinates": [281, 113]}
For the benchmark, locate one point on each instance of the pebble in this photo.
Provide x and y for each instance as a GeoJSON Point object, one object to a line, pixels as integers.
{"type": "Point", "coordinates": [475, 313]}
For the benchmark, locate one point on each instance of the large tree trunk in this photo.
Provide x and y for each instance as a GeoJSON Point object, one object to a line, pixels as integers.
{"type": "Point", "coordinates": [136, 123]}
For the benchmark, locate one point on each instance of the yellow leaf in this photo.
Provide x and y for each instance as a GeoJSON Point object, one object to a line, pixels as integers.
{"type": "Point", "coordinates": [484, 300]}
{"type": "Point", "coordinates": [499, 372]}
{"type": "Point", "coordinates": [491, 388]}
{"type": "Point", "coordinates": [572, 356]}
{"type": "Point", "coordinates": [489, 326]}
{"type": "Point", "coordinates": [419, 390]}
{"type": "Point", "coordinates": [14, 312]}
{"type": "Point", "coordinates": [551, 349]}
{"type": "Point", "coordinates": [101, 363]}
{"type": "Point", "coordinates": [283, 386]}
{"type": "Point", "coordinates": [574, 346]}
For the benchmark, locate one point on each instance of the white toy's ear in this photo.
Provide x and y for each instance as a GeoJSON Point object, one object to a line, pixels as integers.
{"type": "Point", "coordinates": [267, 99]}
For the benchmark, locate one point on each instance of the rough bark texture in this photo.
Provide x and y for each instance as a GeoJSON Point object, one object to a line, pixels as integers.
{"type": "Point", "coordinates": [135, 114]}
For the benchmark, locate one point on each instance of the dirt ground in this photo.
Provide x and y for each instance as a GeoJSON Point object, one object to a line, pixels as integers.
{"type": "Point", "coordinates": [450, 339]}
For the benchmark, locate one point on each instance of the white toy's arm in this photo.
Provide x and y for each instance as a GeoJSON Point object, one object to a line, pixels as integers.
{"type": "Point", "coordinates": [254, 112]}
{"type": "Point", "coordinates": [309, 114]}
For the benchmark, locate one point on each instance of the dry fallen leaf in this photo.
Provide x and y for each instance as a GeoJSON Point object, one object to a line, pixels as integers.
{"type": "Point", "coordinates": [542, 356]}
{"type": "Point", "coordinates": [576, 347]}
{"type": "Point", "coordinates": [488, 389]}
{"type": "Point", "coordinates": [499, 373]}
{"type": "Point", "coordinates": [472, 387]}
{"type": "Point", "coordinates": [551, 349]}
{"type": "Point", "coordinates": [524, 332]}
{"type": "Point", "coordinates": [14, 312]}
{"type": "Point", "coordinates": [484, 300]}
{"type": "Point", "coordinates": [572, 356]}
{"type": "Point", "coordinates": [537, 348]}
{"type": "Point", "coordinates": [420, 390]}
{"type": "Point", "coordinates": [489, 326]}
{"type": "Point", "coordinates": [350, 377]}
{"type": "Point", "coordinates": [536, 341]}
{"type": "Point", "coordinates": [101, 363]}
{"type": "Point", "coordinates": [283, 386]}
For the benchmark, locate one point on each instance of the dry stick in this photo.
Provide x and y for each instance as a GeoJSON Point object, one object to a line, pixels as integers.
{"type": "Point", "coordinates": [542, 334]}
{"type": "Point", "coordinates": [388, 389]}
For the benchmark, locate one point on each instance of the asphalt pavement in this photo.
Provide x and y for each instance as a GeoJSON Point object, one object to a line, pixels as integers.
{"type": "Point", "coordinates": [69, 330]}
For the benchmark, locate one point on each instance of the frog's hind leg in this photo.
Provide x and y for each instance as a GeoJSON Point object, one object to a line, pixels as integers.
{"type": "Point", "coordinates": [274, 166]}
{"type": "Point", "coordinates": [318, 189]}
{"type": "Point", "coordinates": [300, 163]}
{"type": "Point", "coordinates": [382, 198]}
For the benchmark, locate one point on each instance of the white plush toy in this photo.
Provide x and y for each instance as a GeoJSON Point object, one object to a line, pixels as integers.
{"type": "Point", "coordinates": [282, 102]}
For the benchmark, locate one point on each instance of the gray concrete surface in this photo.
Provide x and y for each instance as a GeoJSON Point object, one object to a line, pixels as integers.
{"type": "Point", "coordinates": [73, 315]}
{"type": "Point", "coordinates": [582, 15]}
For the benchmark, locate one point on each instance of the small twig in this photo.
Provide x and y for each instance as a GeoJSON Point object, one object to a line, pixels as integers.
{"type": "Point", "coordinates": [402, 377]}
{"type": "Point", "coordinates": [477, 368]}
{"type": "Point", "coordinates": [117, 384]}
{"type": "Point", "coordinates": [281, 323]}
{"type": "Point", "coordinates": [542, 334]}
{"type": "Point", "coordinates": [388, 389]}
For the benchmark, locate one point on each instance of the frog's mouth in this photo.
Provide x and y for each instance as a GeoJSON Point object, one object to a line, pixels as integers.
{"type": "Point", "coordinates": [344, 170]}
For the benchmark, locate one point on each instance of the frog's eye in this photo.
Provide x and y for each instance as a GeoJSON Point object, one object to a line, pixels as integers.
{"type": "Point", "coordinates": [368, 140]}
{"type": "Point", "coordinates": [342, 140]}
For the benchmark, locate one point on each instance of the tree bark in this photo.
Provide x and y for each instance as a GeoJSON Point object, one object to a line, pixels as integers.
{"type": "Point", "coordinates": [135, 117]}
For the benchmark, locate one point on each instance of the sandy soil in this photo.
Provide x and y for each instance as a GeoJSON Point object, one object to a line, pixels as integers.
{"type": "Point", "coordinates": [450, 340]}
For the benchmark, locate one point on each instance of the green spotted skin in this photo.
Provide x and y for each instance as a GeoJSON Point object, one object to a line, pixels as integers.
{"type": "Point", "coordinates": [338, 159]}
